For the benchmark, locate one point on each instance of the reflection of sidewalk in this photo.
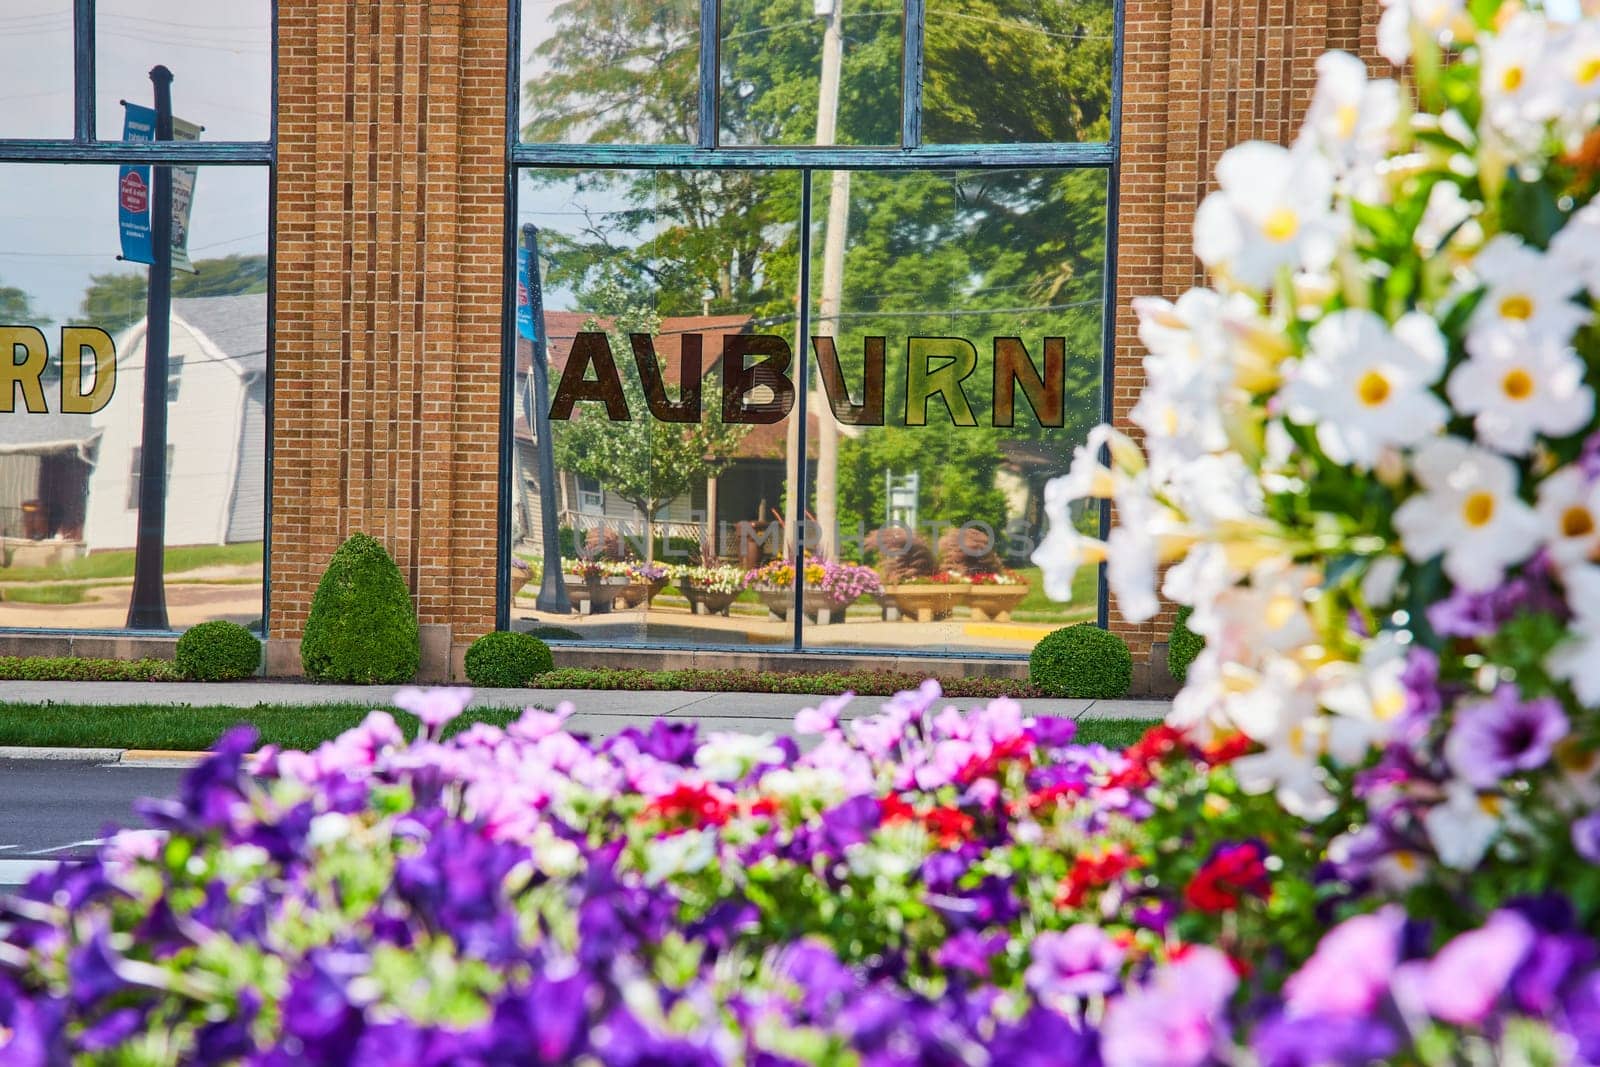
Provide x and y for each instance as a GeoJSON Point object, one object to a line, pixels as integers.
{"type": "Point", "coordinates": [678, 626]}
{"type": "Point", "coordinates": [107, 607]}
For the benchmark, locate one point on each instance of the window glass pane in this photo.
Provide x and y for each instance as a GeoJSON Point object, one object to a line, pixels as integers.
{"type": "Point", "coordinates": [36, 68]}
{"type": "Point", "coordinates": [219, 52]}
{"type": "Point", "coordinates": [1017, 71]}
{"type": "Point", "coordinates": [964, 312]}
{"type": "Point", "coordinates": [807, 72]}
{"type": "Point", "coordinates": [670, 266]}
{"type": "Point", "coordinates": [69, 501]}
{"type": "Point", "coordinates": [611, 71]}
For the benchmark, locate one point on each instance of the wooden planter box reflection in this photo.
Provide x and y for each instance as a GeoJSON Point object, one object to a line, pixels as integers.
{"type": "Point", "coordinates": [817, 605]}
{"type": "Point", "coordinates": [995, 602]}
{"type": "Point", "coordinates": [925, 603]}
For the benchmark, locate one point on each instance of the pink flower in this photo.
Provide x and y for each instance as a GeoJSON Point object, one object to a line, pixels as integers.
{"type": "Point", "coordinates": [1471, 972]}
{"type": "Point", "coordinates": [1174, 1021]}
{"type": "Point", "coordinates": [435, 706]}
{"type": "Point", "coordinates": [1351, 968]}
{"type": "Point", "coordinates": [824, 718]}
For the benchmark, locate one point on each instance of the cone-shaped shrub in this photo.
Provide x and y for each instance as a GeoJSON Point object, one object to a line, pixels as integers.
{"type": "Point", "coordinates": [362, 626]}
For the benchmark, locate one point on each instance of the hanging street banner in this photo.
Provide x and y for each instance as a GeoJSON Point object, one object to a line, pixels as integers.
{"type": "Point", "coordinates": [525, 323]}
{"type": "Point", "coordinates": [133, 191]}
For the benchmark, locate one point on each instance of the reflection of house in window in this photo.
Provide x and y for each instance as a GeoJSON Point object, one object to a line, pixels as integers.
{"type": "Point", "coordinates": [45, 459]}
{"type": "Point", "coordinates": [216, 429]}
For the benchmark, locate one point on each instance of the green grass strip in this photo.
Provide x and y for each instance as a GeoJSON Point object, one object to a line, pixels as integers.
{"type": "Point", "coordinates": [296, 726]}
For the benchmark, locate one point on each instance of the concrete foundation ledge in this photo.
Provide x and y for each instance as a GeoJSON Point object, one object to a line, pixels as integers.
{"type": "Point", "coordinates": [88, 646]}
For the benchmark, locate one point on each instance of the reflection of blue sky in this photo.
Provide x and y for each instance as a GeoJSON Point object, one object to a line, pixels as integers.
{"type": "Point", "coordinates": [560, 208]}
{"type": "Point", "coordinates": [58, 223]}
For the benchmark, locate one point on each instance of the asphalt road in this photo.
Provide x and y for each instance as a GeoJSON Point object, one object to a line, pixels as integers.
{"type": "Point", "coordinates": [57, 809]}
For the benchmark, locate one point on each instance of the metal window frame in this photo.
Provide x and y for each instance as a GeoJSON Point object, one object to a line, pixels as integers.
{"type": "Point", "coordinates": [707, 153]}
{"type": "Point", "coordinates": [83, 148]}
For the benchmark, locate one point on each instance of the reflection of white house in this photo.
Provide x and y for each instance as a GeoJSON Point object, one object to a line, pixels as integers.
{"type": "Point", "coordinates": [216, 429]}
{"type": "Point", "coordinates": [45, 459]}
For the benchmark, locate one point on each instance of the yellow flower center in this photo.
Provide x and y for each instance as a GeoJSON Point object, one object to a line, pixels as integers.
{"type": "Point", "coordinates": [1511, 80]}
{"type": "Point", "coordinates": [1281, 225]}
{"type": "Point", "coordinates": [1478, 509]}
{"type": "Point", "coordinates": [1490, 805]}
{"type": "Point", "coordinates": [1589, 70]}
{"type": "Point", "coordinates": [1517, 306]}
{"type": "Point", "coordinates": [1406, 861]}
{"type": "Point", "coordinates": [1517, 384]}
{"type": "Point", "coordinates": [1372, 388]}
{"type": "Point", "coordinates": [1577, 522]}
{"type": "Point", "coordinates": [1347, 117]}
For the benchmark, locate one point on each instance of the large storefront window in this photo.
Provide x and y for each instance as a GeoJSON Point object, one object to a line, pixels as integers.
{"type": "Point", "coordinates": [804, 377]}
{"type": "Point", "coordinates": [76, 246]}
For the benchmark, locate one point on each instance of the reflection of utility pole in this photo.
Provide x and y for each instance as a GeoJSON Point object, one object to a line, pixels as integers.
{"type": "Point", "coordinates": [147, 608]}
{"type": "Point", "coordinates": [552, 586]}
{"type": "Point", "coordinates": [831, 298]}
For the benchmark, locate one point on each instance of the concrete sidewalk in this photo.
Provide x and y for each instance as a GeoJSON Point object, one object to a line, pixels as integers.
{"type": "Point", "coordinates": [715, 711]}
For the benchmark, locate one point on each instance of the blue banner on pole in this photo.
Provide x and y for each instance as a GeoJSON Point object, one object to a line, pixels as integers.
{"type": "Point", "coordinates": [133, 188]}
{"type": "Point", "coordinates": [525, 324]}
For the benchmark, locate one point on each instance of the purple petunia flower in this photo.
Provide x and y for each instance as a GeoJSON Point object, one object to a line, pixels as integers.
{"type": "Point", "coordinates": [1463, 982]}
{"type": "Point", "coordinates": [1176, 1020]}
{"type": "Point", "coordinates": [435, 706]}
{"type": "Point", "coordinates": [1323, 1041]}
{"type": "Point", "coordinates": [1351, 968]}
{"type": "Point", "coordinates": [1586, 836]}
{"type": "Point", "coordinates": [1078, 962]}
{"type": "Point", "coordinates": [1498, 737]}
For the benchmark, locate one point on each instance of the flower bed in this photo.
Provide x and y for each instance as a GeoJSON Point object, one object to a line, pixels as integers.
{"type": "Point", "coordinates": [831, 587]}
{"type": "Point", "coordinates": [921, 886]}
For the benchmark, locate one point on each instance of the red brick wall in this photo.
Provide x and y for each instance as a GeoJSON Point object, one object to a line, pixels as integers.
{"type": "Point", "coordinates": [1198, 77]}
{"type": "Point", "coordinates": [390, 192]}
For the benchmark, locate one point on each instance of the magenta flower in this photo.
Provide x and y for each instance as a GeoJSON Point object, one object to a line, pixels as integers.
{"type": "Point", "coordinates": [1078, 962]}
{"type": "Point", "coordinates": [1462, 983]}
{"type": "Point", "coordinates": [1498, 737]}
{"type": "Point", "coordinates": [1350, 971]}
{"type": "Point", "coordinates": [435, 706]}
{"type": "Point", "coordinates": [1174, 1021]}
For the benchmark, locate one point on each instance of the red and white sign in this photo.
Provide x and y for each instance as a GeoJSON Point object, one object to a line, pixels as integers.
{"type": "Point", "coordinates": [135, 194]}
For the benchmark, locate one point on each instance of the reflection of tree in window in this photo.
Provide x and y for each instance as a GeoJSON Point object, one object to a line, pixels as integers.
{"type": "Point", "coordinates": [116, 301]}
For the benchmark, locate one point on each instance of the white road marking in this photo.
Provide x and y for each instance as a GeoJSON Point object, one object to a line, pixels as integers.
{"type": "Point", "coordinates": [92, 843]}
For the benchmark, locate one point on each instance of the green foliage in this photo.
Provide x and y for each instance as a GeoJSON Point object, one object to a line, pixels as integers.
{"type": "Point", "coordinates": [77, 669]}
{"type": "Point", "coordinates": [218, 652]}
{"type": "Point", "coordinates": [555, 633]}
{"type": "Point", "coordinates": [116, 301]}
{"type": "Point", "coordinates": [1083, 662]}
{"type": "Point", "coordinates": [16, 309]}
{"type": "Point", "coordinates": [362, 627]}
{"type": "Point", "coordinates": [503, 660]}
{"type": "Point", "coordinates": [1183, 646]}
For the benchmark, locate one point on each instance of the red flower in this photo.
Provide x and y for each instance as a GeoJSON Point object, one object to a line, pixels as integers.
{"type": "Point", "coordinates": [1019, 747]}
{"type": "Point", "coordinates": [1050, 794]}
{"type": "Point", "coordinates": [1226, 749]}
{"type": "Point", "coordinates": [1091, 871]}
{"type": "Point", "coordinates": [702, 805]}
{"type": "Point", "coordinates": [1233, 871]}
{"type": "Point", "coordinates": [950, 825]}
{"type": "Point", "coordinates": [764, 807]}
{"type": "Point", "coordinates": [894, 809]}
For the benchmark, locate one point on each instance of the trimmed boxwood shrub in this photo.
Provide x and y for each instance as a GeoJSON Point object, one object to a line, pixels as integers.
{"type": "Point", "coordinates": [218, 652]}
{"type": "Point", "coordinates": [1082, 661]}
{"type": "Point", "coordinates": [504, 660]}
{"type": "Point", "coordinates": [76, 669]}
{"type": "Point", "coordinates": [1183, 646]}
{"type": "Point", "coordinates": [362, 627]}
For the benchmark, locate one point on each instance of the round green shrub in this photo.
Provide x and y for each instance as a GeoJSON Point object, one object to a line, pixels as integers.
{"type": "Point", "coordinates": [1083, 662]}
{"type": "Point", "coordinates": [218, 652]}
{"type": "Point", "coordinates": [503, 660]}
{"type": "Point", "coordinates": [362, 627]}
{"type": "Point", "coordinates": [1183, 646]}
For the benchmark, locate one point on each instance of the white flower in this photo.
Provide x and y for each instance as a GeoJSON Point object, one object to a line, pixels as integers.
{"type": "Point", "coordinates": [726, 756]}
{"type": "Point", "coordinates": [1063, 549]}
{"type": "Point", "coordinates": [1526, 287]}
{"type": "Point", "coordinates": [1569, 505]}
{"type": "Point", "coordinates": [1365, 387]}
{"type": "Point", "coordinates": [1351, 120]}
{"type": "Point", "coordinates": [1271, 211]}
{"type": "Point", "coordinates": [1515, 81]}
{"type": "Point", "coordinates": [680, 853]}
{"type": "Point", "coordinates": [1131, 559]}
{"type": "Point", "coordinates": [1367, 699]}
{"type": "Point", "coordinates": [1520, 385]}
{"type": "Point", "coordinates": [1573, 86]}
{"type": "Point", "coordinates": [1462, 827]}
{"type": "Point", "coordinates": [1468, 511]}
{"type": "Point", "coordinates": [1576, 247]}
{"type": "Point", "coordinates": [1577, 659]}
{"type": "Point", "coordinates": [1447, 219]}
{"type": "Point", "coordinates": [1401, 18]}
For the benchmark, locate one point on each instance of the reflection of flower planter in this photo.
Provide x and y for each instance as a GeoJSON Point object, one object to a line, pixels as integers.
{"type": "Point", "coordinates": [817, 604]}
{"type": "Point", "coordinates": [995, 602]}
{"type": "Point", "coordinates": [518, 580]}
{"type": "Point", "coordinates": [597, 596]}
{"type": "Point", "coordinates": [706, 602]}
{"type": "Point", "coordinates": [632, 594]}
{"type": "Point", "coordinates": [925, 602]}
